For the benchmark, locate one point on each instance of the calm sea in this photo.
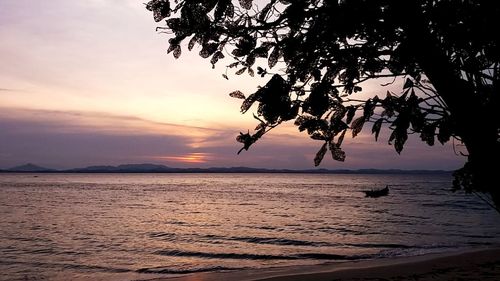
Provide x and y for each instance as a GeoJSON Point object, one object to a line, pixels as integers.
{"type": "Point", "coordinates": [139, 226]}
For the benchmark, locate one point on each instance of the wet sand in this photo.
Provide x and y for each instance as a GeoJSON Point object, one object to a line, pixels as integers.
{"type": "Point", "coordinates": [465, 265]}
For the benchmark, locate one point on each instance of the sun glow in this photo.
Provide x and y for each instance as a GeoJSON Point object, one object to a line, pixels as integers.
{"type": "Point", "coordinates": [195, 157]}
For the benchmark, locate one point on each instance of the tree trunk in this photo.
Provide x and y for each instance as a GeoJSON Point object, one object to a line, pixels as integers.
{"type": "Point", "coordinates": [484, 153]}
{"type": "Point", "coordinates": [475, 122]}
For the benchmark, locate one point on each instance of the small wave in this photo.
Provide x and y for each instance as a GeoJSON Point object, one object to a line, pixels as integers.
{"type": "Point", "coordinates": [279, 241]}
{"type": "Point", "coordinates": [243, 256]}
{"type": "Point", "coordinates": [163, 270]}
{"type": "Point", "coordinates": [380, 245]}
{"type": "Point", "coordinates": [163, 235]}
{"type": "Point", "coordinates": [321, 256]}
{"type": "Point", "coordinates": [177, 253]}
{"type": "Point", "coordinates": [212, 238]}
{"type": "Point", "coordinates": [81, 267]}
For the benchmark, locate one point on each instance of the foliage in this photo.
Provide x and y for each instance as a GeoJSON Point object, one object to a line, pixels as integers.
{"type": "Point", "coordinates": [318, 54]}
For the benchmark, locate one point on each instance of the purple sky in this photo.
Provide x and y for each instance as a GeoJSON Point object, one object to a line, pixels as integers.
{"type": "Point", "coordinates": [89, 82]}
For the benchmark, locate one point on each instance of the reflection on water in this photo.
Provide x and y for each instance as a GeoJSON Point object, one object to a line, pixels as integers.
{"type": "Point", "coordinates": [60, 226]}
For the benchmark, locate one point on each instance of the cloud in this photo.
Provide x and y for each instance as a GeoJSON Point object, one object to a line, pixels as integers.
{"type": "Point", "coordinates": [74, 138]}
{"type": "Point", "coordinates": [67, 139]}
{"type": "Point", "coordinates": [6, 90]}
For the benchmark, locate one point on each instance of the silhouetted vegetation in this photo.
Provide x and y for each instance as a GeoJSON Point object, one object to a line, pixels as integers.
{"type": "Point", "coordinates": [443, 54]}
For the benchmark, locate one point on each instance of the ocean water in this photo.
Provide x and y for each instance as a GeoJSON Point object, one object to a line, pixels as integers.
{"type": "Point", "coordinates": [140, 226]}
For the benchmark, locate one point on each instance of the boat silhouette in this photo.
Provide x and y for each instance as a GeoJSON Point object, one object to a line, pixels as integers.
{"type": "Point", "coordinates": [377, 192]}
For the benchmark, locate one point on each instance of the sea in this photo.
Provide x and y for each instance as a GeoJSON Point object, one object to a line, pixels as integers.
{"type": "Point", "coordinates": [146, 226]}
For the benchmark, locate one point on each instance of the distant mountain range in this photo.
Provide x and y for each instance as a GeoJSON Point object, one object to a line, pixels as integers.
{"type": "Point", "coordinates": [30, 168]}
{"type": "Point", "coordinates": [155, 168]}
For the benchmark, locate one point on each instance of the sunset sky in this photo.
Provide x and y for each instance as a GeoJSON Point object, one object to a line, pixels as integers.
{"type": "Point", "coordinates": [89, 83]}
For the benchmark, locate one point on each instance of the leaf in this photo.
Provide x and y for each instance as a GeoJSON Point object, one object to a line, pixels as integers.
{"type": "Point", "coordinates": [408, 83]}
{"type": "Point", "coordinates": [369, 108]}
{"type": "Point", "coordinates": [337, 153]}
{"type": "Point", "coordinates": [246, 139]}
{"type": "Point", "coordinates": [376, 127]}
{"type": "Point", "coordinates": [317, 136]}
{"type": "Point", "coordinates": [208, 49]}
{"type": "Point", "coordinates": [177, 52]}
{"type": "Point", "coordinates": [321, 153]}
{"type": "Point", "coordinates": [260, 52]}
{"type": "Point", "coordinates": [241, 71]}
{"type": "Point", "coordinates": [351, 110]}
{"type": "Point", "coordinates": [260, 126]}
{"type": "Point", "coordinates": [191, 43]}
{"type": "Point", "coordinates": [250, 60]}
{"type": "Point", "coordinates": [399, 137]}
{"type": "Point", "coordinates": [357, 125]}
{"type": "Point", "coordinates": [245, 106]}
{"type": "Point", "coordinates": [251, 72]}
{"type": "Point", "coordinates": [160, 9]}
{"type": "Point", "coordinates": [318, 101]}
{"type": "Point", "coordinates": [221, 8]}
{"type": "Point", "coordinates": [400, 141]}
{"type": "Point", "coordinates": [274, 99]}
{"type": "Point", "coordinates": [274, 56]}
{"type": "Point", "coordinates": [171, 48]}
{"type": "Point", "coordinates": [444, 134]}
{"type": "Point", "coordinates": [261, 70]}
{"type": "Point", "coordinates": [237, 94]}
{"type": "Point", "coordinates": [265, 11]}
{"type": "Point", "coordinates": [246, 4]}
{"type": "Point", "coordinates": [341, 138]}
{"type": "Point", "coordinates": [234, 64]}
{"type": "Point", "coordinates": [427, 134]}
{"type": "Point", "coordinates": [215, 58]}
{"type": "Point", "coordinates": [238, 53]}
{"type": "Point", "coordinates": [225, 76]}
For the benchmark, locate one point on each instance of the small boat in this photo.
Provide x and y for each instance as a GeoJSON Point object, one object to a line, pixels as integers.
{"type": "Point", "coordinates": [378, 192]}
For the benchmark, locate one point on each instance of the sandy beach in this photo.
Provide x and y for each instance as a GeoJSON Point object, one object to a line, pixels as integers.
{"type": "Point", "coordinates": [465, 265]}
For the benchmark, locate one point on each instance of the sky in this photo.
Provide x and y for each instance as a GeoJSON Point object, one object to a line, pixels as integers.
{"type": "Point", "coordinates": [90, 83]}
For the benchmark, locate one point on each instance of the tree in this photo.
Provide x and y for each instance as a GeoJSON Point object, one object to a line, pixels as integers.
{"type": "Point", "coordinates": [446, 52]}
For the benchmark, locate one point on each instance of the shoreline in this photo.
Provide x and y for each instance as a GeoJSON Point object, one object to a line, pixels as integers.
{"type": "Point", "coordinates": [473, 264]}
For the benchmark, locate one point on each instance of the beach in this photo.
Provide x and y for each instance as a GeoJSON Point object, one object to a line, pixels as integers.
{"type": "Point", "coordinates": [481, 264]}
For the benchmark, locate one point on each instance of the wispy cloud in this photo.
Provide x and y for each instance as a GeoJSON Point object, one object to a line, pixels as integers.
{"type": "Point", "coordinates": [194, 158]}
{"type": "Point", "coordinates": [81, 121]}
{"type": "Point", "coordinates": [76, 138]}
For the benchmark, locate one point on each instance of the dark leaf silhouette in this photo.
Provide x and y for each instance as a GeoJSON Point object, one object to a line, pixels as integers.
{"type": "Point", "coordinates": [208, 50]}
{"type": "Point", "coordinates": [444, 134]}
{"type": "Point", "coordinates": [245, 106]}
{"type": "Point", "coordinates": [215, 58]}
{"type": "Point", "coordinates": [241, 71]}
{"type": "Point", "coordinates": [320, 154]}
{"type": "Point", "coordinates": [237, 94]}
{"type": "Point", "coordinates": [160, 9]}
{"type": "Point", "coordinates": [376, 127]}
{"type": "Point", "coordinates": [247, 4]}
{"type": "Point", "coordinates": [357, 125]}
{"type": "Point", "coordinates": [274, 56]}
{"type": "Point", "coordinates": [265, 11]}
{"type": "Point", "coordinates": [408, 83]}
{"type": "Point", "coordinates": [427, 134]}
{"type": "Point", "coordinates": [337, 153]}
{"type": "Point", "coordinates": [351, 111]}
{"type": "Point", "coordinates": [399, 138]}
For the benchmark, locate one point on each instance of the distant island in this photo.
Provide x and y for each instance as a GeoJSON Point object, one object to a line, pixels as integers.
{"type": "Point", "coordinates": [156, 168]}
